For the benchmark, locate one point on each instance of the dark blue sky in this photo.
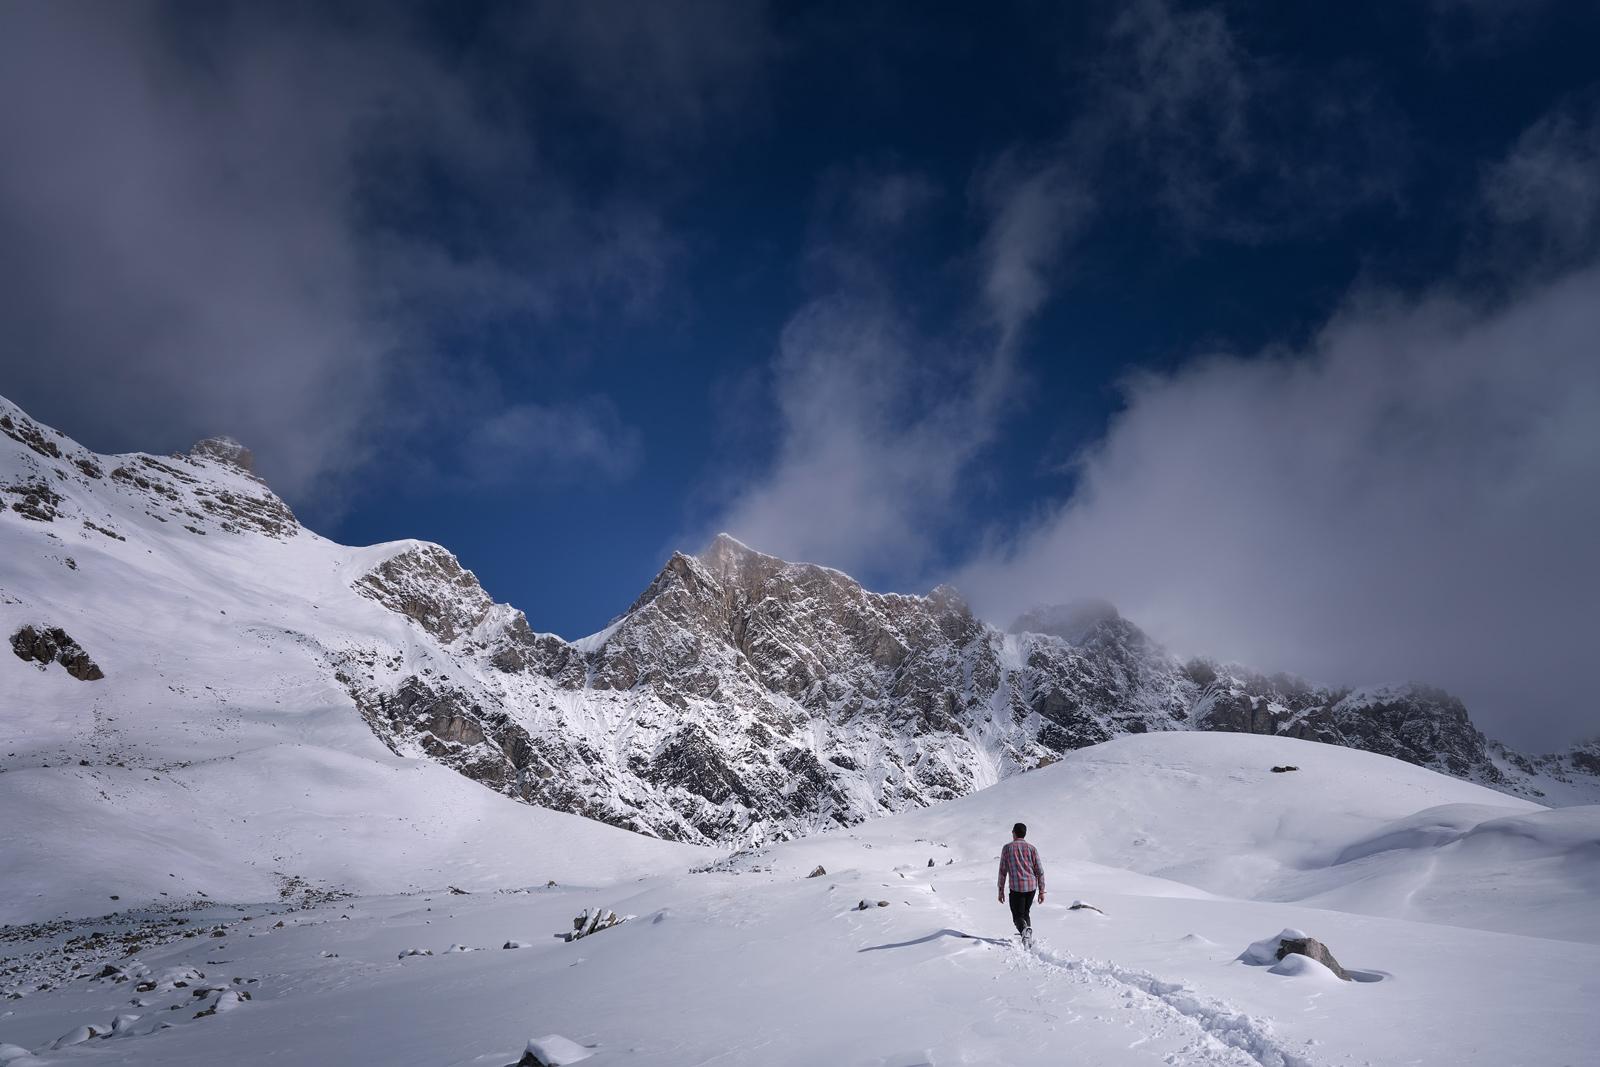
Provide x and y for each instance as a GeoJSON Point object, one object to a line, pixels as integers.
{"type": "Point", "coordinates": [922, 291]}
{"type": "Point", "coordinates": [932, 90]}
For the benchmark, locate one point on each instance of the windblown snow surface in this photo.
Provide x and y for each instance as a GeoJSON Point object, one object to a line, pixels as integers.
{"type": "Point", "coordinates": [1469, 919]}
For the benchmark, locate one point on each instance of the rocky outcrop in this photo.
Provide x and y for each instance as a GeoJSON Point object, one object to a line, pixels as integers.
{"type": "Point", "coordinates": [33, 499]}
{"type": "Point", "coordinates": [1417, 723]}
{"type": "Point", "coordinates": [225, 450]}
{"type": "Point", "coordinates": [428, 585]}
{"type": "Point", "coordinates": [47, 645]}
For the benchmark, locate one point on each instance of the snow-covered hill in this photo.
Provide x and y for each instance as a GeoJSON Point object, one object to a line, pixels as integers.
{"type": "Point", "coordinates": [740, 699]}
{"type": "Point", "coordinates": [1465, 915]}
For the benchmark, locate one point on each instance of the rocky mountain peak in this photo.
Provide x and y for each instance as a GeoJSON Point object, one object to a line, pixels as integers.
{"type": "Point", "coordinates": [225, 450]}
{"type": "Point", "coordinates": [427, 584]}
{"type": "Point", "coordinates": [737, 565]}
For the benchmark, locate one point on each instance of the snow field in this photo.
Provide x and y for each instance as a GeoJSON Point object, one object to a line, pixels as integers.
{"type": "Point", "coordinates": [753, 962]}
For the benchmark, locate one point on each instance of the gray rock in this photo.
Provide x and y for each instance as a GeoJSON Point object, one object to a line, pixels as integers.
{"type": "Point", "coordinates": [224, 450]}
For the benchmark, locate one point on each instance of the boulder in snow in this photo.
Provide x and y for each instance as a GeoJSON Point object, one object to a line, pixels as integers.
{"type": "Point", "coordinates": [553, 1050]}
{"type": "Point", "coordinates": [1295, 965]}
{"type": "Point", "coordinates": [818, 872]}
{"type": "Point", "coordinates": [1271, 950]}
{"type": "Point", "coordinates": [75, 1037]}
{"type": "Point", "coordinates": [46, 645]}
{"type": "Point", "coordinates": [593, 920]}
{"type": "Point", "coordinates": [1314, 949]}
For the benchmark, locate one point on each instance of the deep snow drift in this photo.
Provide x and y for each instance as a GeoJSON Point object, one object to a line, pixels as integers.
{"type": "Point", "coordinates": [1469, 916]}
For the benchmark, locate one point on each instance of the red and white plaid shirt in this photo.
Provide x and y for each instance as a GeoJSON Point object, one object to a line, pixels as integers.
{"type": "Point", "coordinates": [1020, 861]}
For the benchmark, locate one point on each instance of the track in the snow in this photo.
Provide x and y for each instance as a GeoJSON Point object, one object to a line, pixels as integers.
{"type": "Point", "coordinates": [1216, 1023]}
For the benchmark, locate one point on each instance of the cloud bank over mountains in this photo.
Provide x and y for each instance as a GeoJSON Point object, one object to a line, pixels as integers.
{"type": "Point", "coordinates": [1409, 496]}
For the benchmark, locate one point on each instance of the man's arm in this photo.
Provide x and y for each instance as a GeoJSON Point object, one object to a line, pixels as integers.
{"type": "Point", "coordinates": [1002, 876]}
{"type": "Point", "coordinates": [1038, 872]}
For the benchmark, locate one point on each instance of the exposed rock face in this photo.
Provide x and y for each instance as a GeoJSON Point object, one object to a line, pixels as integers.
{"type": "Point", "coordinates": [44, 646]}
{"type": "Point", "coordinates": [428, 585]}
{"type": "Point", "coordinates": [742, 696]}
{"type": "Point", "coordinates": [225, 450]}
{"type": "Point", "coordinates": [34, 500]}
{"type": "Point", "coordinates": [1416, 723]}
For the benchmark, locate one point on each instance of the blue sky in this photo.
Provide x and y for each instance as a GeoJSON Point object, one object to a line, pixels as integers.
{"type": "Point", "coordinates": [1226, 311]}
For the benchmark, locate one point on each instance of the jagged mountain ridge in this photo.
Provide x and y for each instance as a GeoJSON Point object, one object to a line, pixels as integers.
{"type": "Point", "coordinates": [740, 697]}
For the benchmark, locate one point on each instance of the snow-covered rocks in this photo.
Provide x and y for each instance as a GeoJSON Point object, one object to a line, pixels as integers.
{"type": "Point", "coordinates": [227, 1000]}
{"type": "Point", "coordinates": [76, 1036]}
{"type": "Point", "coordinates": [1275, 952]}
{"type": "Point", "coordinates": [553, 1050]}
{"type": "Point", "coordinates": [1296, 965]}
{"type": "Point", "coordinates": [593, 920]}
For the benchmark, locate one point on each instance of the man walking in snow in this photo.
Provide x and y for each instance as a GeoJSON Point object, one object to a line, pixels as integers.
{"type": "Point", "coordinates": [1019, 861]}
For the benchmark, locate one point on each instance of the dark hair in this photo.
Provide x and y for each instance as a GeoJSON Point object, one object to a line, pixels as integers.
{"type": "Point", "coordinates": [1020, 830]}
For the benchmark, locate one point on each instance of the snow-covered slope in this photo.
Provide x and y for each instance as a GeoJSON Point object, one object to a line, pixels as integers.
{"type": "Point", "coordinates": [1466, 915]}
{"type": "Point", "coordinates": [219, 755]}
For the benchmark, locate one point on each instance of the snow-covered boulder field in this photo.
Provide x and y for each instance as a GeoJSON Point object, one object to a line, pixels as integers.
{"type": "Point", "coordinates": [1466, 917]}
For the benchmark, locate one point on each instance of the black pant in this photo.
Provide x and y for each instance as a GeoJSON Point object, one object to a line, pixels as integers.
{"type": "Point", "coordinates": [1021, 904]}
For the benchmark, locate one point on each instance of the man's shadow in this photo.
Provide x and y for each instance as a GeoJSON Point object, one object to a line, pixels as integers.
{"type": "Point", "coordinates": [946, 932]}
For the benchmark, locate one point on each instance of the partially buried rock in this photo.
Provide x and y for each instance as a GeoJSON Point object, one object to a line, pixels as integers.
{"type": "Point", "coordinates": [553, 1050]}
{"type": "Point", "coordinates": [1311, 947]}
{"type": "Point", "coordinates": [818, 872]}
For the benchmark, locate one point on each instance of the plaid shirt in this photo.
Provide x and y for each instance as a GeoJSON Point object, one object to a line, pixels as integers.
{"type": "Point", "coordinates": [1020, 861]}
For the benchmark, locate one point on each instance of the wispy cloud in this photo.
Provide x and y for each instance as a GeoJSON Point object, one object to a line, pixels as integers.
{"type": "Point", "coordinates": [877, 424]}
{"type": "Point", "coordinates": [1235, 144]}
{"type": "Point", "coordinates": [1543, 199]}
{"type": "Point", "coordinates": [539, 443]}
